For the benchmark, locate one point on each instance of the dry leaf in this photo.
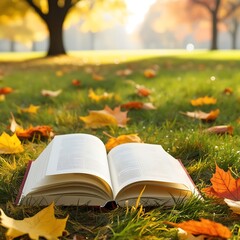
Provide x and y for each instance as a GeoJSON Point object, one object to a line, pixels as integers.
{"type": "Point", "coordinates": [76, 82]}
{"type": "Point", "coordinates": [124, 72]}
{"type": "Point", "coordinates": [43, 224]}
{"type": "Point", "coordinates": [204, 227]}
{"type": "Point", "coordinates": [222, 129]}
{"type": "Point", "coordinates": [97, 77]}
{"type": "Point", "coordinates": [105, 117]}
{"type": "Point", "coordinates": [49, 93]}
{"type": "Point", "coordinates": [228, 91]}
{"type": "Point", "coordinates": [223, 185]}
{"type": "Point", "coordinates": [142, 91]}
{"type": "Point", "coordinates": [211, 116]}
{"type": "Point", "coordinates": [113, 142]}
{"type": "Point", "coordinates": [5, 90]}
{"type": "Point", "coordinates": [10, 144]}
{"type": "Point", "coordinates": [138, 105]}
{"type": "Point", "coordinates": [2, 98]}
{"type": "Point", "coordinates": [233, 205]}
{"type": "Point", "coordinates": [105, 96]}
{"type": "Point", "coordinates": [30, 109]}
{"type": "Point", "coordinates": [149, 73]}
{"type": "Point", "coordinates": [203, 101]}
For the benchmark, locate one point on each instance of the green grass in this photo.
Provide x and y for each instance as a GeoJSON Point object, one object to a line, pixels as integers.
{"type": "Point", "coordinates": [181, 76]}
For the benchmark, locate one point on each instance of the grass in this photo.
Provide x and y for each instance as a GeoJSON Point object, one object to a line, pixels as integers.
{"type": "Point", "coordinates": [181, 76]}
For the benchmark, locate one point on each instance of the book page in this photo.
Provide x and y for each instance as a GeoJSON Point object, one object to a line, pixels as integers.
{"type": "Point", "coordinates": [78, 153]}
{"type": "Point", "coordinates": [136, 162]}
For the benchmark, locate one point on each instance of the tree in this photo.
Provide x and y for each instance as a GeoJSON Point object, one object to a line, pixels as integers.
{"type": "Point", "coordinates": [54, 14]}
{"type": "Point", "coordinates": [218, 10]}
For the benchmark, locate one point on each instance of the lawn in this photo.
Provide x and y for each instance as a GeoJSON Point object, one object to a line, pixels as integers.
{"type": "Point", "coordinates": [180, 77]}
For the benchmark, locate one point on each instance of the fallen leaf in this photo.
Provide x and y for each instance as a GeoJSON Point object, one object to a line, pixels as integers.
{"type": "Point", "coordinates": [211, 116]}
{"type": "Point", "coordinates": [49, 93]}
{"type": "Point", "coordinates": [142, 91]}
{"type": "Point", "coordinates": [59, 73]}
{"type": "Point", "coordinates": [43, 224]}
{"type": "Point", "coordinates": [138, 105]}
{"type": "Point", "coordinates": [124, 72]}
{"type": "Point", "coordinates": [97, 98]}
{"type": "Point", "coordinates": [113, 142]}
{"type": "Point", "coordinates": [223, 185]}
{"type": "Point", "coordinates": [150, 73]}
{"type": "Point", "coordinates": [97, 77]}
{"type": "Point", "coordinates": [203, 101]}
{"type": "Point", "coordinates": [2, 97]}
{"type": "Point", "coordinates": [233, 205]}
{"type": "Point", "coordinates": [105, 117]}
{"type": "Point", "coordinates": [204, 227]}
{"type": "Point", "coordinates": [10, 144]}
{"type": "Point", "coordinates": [5, 90]}
{"type": "Point", "coordinates": [228, 91]}
{"type": "Point", "coordinates": [31, 109]}
{"type": "Point", "coordinates": [222, 129]}
{"type": "Point", "coordinates": [76, 82]}
{"type": "Point", "coordinates": [42, 131]}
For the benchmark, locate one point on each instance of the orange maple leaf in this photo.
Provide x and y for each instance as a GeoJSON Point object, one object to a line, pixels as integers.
{"type": "Point", "coordinates": [76, 82]}
{"type": "Point", "coordinates": [204, 227]}
{"type": "Point", "coordinates": [223, 185]}
{"type": "Point", "coordinates": [203, 101]}
{"type": "Point", "coordinates": [138, 105]}
{"type": "Point", "coordinates": [149, 73]}
{"type": "Point", "coordinates": [142, 91]}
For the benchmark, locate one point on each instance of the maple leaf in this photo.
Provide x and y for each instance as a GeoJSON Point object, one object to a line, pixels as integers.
{"type": "Point", "coordinates": [222, 129]}
{"type": "Point", "coordinates": [5, 90]}
{"type": "Point", "coordinates": [31, 109]}
{"type": "Point", "coordinates": [113, 142]}
{"type": "Point", "coordinates": [223, 185]}
{"type": "Point", "coordinates": [49, 93]}
{"type": "Point", "coordinates": [43, 224]}
{"type": "Point", "coordinates": [211, 116]}
{"type": "Point", "coordinates": [105, 117]}
{"type": "Point", "coordinates": [10, 144]}
{"type": "Point", "coordinates": [149, 73]}
{"type": "Point", "coordinates": [76, 82]}
{"type": "Point", "coordinates": [138, 105]}
{"type": "Point", "coordinates": [105, 96]}
{"type": "Point", "coordinates": [204, 227]}
{"type": "Point", "coordinates": [203, 101]}
{"type": "Point", "coordinates": [228, 91]}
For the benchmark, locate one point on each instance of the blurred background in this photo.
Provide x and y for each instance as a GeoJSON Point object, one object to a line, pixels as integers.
{"type": "Point", "coordinates": [121, 24]}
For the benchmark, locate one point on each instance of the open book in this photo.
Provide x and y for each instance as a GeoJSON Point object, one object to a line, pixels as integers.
{"type": "Point", "coordinates": [74, 169]}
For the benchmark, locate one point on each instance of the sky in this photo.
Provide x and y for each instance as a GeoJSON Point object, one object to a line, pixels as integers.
{"type": "Point", "coordinates": [137, 9]}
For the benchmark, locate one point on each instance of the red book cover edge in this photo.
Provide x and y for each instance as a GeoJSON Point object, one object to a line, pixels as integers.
{"type": "Point", "coordinates": [23, 182]}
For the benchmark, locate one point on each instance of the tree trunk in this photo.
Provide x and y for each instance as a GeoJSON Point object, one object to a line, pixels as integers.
{"type": "Point", "coordinates": [234, 34]}
{"type": "Point", "coordinates": [56, 44]}
{"type": "Point", "coordinates": [214, 31]}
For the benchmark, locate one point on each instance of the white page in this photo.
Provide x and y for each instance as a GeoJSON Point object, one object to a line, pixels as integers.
{"type": "Point", "coordinates": [79, 153]}
{"type": "Point", "coordinates": [132, 162]}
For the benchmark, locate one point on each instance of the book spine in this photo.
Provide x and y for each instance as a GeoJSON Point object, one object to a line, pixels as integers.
{"type": "Point", "coordinates": [19, 196]}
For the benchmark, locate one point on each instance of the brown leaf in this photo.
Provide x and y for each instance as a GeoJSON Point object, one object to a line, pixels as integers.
{"type": "Point", "coordinates": [211, 116]}
{"type": "Point", "coordinates": [223, 185]}
{"type": "Point", "coordinates": [222, 129]}
{"type": "Point", "coordinates": [228, 91]}
{"type": "Point", "coordinates": [204, 227]}
{"type": "Point", "coordinates": [49, 93]}
{"type": "Point", "coordinates": [124, 72]}
{"type": "Point", "coordinates": [97, 77]}
{"type": "Point", "coordinates": [150, 73]}
{"type": "Point", "coordinates": [76, 82]}
{"type": "Point", "coordinates": [142, 91]}
{"type": "Point", "coordinates": [138, 105]}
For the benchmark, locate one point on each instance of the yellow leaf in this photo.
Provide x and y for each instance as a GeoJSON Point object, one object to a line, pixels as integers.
{"type": "Point", "coordinates": [203, 100]}
{"type": "Point", "coordinates": [42, 224]}
{"type": "Point", "coordinates": [105, 96]}
{"type": "Point", "coordinates": [30, 109]}
{"type": "Point", "coordinates": [10, 144]}
{"type": "Point", "coordinates": [113, 142]}
{"type": "Point", "coordinates": [98, 119]}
